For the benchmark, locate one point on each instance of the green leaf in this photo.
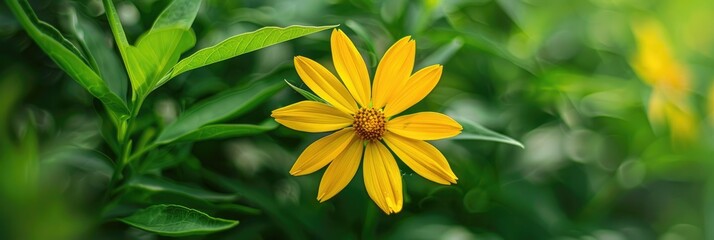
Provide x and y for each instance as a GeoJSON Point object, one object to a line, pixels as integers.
{"type": "Point", "coordinates": [240, 44]}
{"type": "Point", "coordinates": [156, 51]}
{"type": "Point", "coordinates": [98, 52]}
{"type": "Point", "coordinates": [474, 131]}
{"type": "Point", "coordinates": [176, 220]}
{"type": "Point", "coordinates": [154, 54]}
{"type": "Point", "coordinates": [66, 56]}
{"type": "Point", "coordinates": [218, 131]}
{"type": "Point", "coordinates": [117, 30]}
{"type": "Point", "coordinates": [217, 108]}
{"type": "Point", "coordinates": [178, 14]}
{"type": "Point", "coordinates": [308, 95]}
{"type": "Point", "coordinates": [161, 185]}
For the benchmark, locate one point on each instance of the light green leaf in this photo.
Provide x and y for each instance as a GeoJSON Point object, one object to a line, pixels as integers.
{"type": "Point", "coordinates": [99, 53]}
{"type": "Point", "coordinates": [178, 14]}
{"type": "Point", "coordinates": [162, 185]}
{"type": "Point", "coordinates": [474, 131]}
{"type": "Point", "coordinates": [176, 220]}
{"type": "Point", "coordinates": [218, 131]}
{"type": "Point", "coordinates": [117, 30]}
{"type": "Point", "coordinates": [154, 54]}
{"type": "Point", "coordinates": [66, 56]}
{"type": "Point", "coordinates": [240, 44]}
{"type": "Point", "coordinates": [305, 93]}
{"type": "Point", "coordinates": [223, 106]}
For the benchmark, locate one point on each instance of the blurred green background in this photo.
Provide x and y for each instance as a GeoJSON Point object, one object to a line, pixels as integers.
{"type": "Point", "coordinates": [612, 99]}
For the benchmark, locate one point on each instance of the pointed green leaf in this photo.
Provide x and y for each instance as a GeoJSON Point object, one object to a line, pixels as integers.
{"type": "Point", "coordinates": [117, 30]}
{"type": "Point", "coordinates": [178, 14]}
{"type": "Point", "coordinates": [223, 106]}
{"type": "Point", "coordinates": [66, 56]}
{"type": "Point", "coordinates": [98, 52]}
{"type": "Point", "coordinates": [308, 95]}
{"type": "Point", "coordinates": [176, 220]}
{"type": "Point", "coordinates": [240, 44]}
{"type": "Point", "coordinates": [218, 131]}
{"type": "Point", "coordinates": [161, 185]}
{"type": "Point", "coordinates": [474, 131]}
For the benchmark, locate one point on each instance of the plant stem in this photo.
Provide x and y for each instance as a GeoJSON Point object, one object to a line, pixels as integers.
{"type": "Point", "coordinates": [370, 222]}
{"type": "Point", "coordinates": [125, 146]}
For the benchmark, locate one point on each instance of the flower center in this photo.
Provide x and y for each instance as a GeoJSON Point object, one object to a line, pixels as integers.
{"type": "Point", "coordinates": [369, 124]}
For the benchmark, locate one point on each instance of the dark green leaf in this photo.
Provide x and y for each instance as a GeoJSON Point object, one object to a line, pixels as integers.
{"type": "Point", "coordinates": [308, 95]}
{"type": "Point", "coordinates": [217, 108]}
{"type": "Point", "coordinates": [66, 56]}
{"type": "Point", "coordinates": [161, 185]}
{"type": "Point", "coordinates": [218, 131]}
{"type": "Point", "coordinates": [176, 220]}
{"type": "Point", "coordinates": [474, 131]}
{"type": "Point", "coordinates": [240, 44]}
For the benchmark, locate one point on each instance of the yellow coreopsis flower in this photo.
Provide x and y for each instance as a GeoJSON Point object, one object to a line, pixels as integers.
{"type": "Point", "coordinates": [365, 121]}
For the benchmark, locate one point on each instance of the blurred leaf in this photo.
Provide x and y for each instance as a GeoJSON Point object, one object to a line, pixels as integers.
{"type": "Point", "coordinates": [240, 44]}
{"type": "Point", "coordinates": [176, 220]}
{"type": "Point", "coordinates": [474, 131]}
{"type": "Point", "coordinates": [217, 108]}
{"type": "Point", "coordinates": [100, 55]}
{"type": "Point", "coordinates": [154, 54]}
{"type": "Point", "coordinates": [218, 131]}
{"type": "Point", "coordinates": [366, 37]}
{"type": "Point", "coordinates": [88, 160]}
{"type": "Point", "coordinates": [163, 158]}
{"type": "Point", "coordinates": [178, 14]}
{"type": "Point", "coordinates": [443, 54]}
{"type": "Point", "coordinates": [266, 202]}
{"type": "Point", "coordinates": [159, 185]}
{"type": "Point", "coordinates": [66, 56]}
{"type": "Point", "coordinates": [307, 94]}
{"type": "Point", "coordinates": [477, 200]}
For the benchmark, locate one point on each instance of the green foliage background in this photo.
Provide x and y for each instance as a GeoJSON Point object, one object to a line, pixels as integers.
{"type": "Point", "coordinates": [555, 75]}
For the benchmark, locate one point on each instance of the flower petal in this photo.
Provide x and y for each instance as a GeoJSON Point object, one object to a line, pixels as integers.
{"type": "Point", "coordinates": [311, 116]}
{"type": "Point", "coordinates": [421, 157]}
{"type": "Point", "coordinates": [350, 66]}
{"type": "Point", "coordinates": [424, 126]}
{"type": "Point", "coordinates": [420, 84]}
{"type": "Point", "coordinates": [393, 71]}
{"type": "Point", "coordinates": [322, 152]}
{"type": "Point", "coordinates": [382, 178]}
{"type": "Point", "coordinates": [341, 170]}
{"type": "Point", "coordinates": [324, 84]}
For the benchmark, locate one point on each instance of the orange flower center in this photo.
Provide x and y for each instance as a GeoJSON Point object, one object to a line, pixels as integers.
{"type": "Point", "coordinates": [369, 124]}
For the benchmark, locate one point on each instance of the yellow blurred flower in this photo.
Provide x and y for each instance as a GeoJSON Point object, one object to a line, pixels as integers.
{"type": "Point", "coordinates": [363, 118]}
{"type": "Point", "coordinates": [658, 67]}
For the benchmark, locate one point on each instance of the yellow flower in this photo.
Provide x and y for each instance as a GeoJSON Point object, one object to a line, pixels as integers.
{"type": "Point", "coordinates": [364, 118]}
{"type": "Point", "coordinates": [658, 67]}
